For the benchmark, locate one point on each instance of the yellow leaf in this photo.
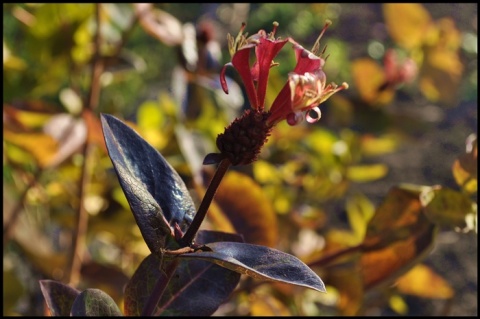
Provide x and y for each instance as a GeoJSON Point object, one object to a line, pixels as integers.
{"type": "Point", "coordinates": [366, 173]}
{"type": "Point", "coordinates": [407, 23]}
{"type": "Point", "coordinates": [42, 146]}
{"type": "Point", "coordinates": [248, 208]}
{"type": "Point", "coordinates": [267, 305]}
{"type": "Point", "coordinates": [359, 210]}
{"type": "Point", "coordinates": [423, 282]}
{"type": "Point", "coordinates": [368, 77]}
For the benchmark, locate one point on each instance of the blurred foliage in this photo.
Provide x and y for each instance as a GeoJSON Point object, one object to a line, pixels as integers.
{"type": "Point", "coordinates": [308, 194]}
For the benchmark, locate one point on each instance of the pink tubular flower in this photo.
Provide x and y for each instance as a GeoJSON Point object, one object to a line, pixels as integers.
{"type": "Point", "coordinates": [305, 89]}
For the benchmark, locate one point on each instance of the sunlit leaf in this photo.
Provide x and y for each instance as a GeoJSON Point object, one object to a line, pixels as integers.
{"type": "Point", "coordinates": [398, 304]}
{"type": "Point", "coordinates": [159, 24]}
{"type": "Point", "coordinates": [398, 236]}
{"type": "Point", "coordinates": [368, 77]}
{"type": "Point", "coordinates": [447, 207]}
{"type": "Point", "coordinates": [366, 173]}
{"type": "Point", "coordinates": [407, 23]}
{"type": "Point", "coordinates": [59, 297]}
{"type": "Point", "coordinates": [246, 206]}
{"type": "Point", "coordinates": [423, 282]}
{"type": "Point", "coordinates": [464, 168]}
{"type": "Point", "coordinates": [94, 302]}
{"type": "Point", "coordinates": [359, 210]}
{"type": "Point", "coordinates": [373, 146]}
{"type": "Point", "coordinates": [345, 278]}
{"type": "Point", "coordinates": [265, 304]}
{"type": "Point", "coordinates": [31, 141]}
{"type": "Point", "coordinates": [150, 120]}
{"type": "Point", "coordinates": [156, 193]}
{"type": "Point", "coordinates": [260, 262]}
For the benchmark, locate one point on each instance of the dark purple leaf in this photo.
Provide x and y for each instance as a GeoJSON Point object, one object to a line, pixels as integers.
{"type": "Point", "coordinates": [58, 296]}
{"type": "Point", "coordinates": [197, 287]}
{"type": "Point", "coordinates": [94, 302]}
{"type": "Point", "coordinates": [260, 262]}
{"type": "Point", "coordinates": [156, 193]}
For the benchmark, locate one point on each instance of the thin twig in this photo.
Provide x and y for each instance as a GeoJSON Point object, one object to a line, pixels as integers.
{"type": "Point", "coordinates": [78, 236]}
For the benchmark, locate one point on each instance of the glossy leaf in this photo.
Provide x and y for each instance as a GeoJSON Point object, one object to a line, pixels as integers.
{"type": "Point", "coordinates": [397, 237]}
{"type": "Point", "coordinates": [448, 208]}
{"type": "Point", "coordinates": [243, 201]}
{"type": "Point", "coordinates": [94, 302]}
{"type": "Point", "coordinates": [58, 296]}
{"type": "Point", "coordinates": [156, 193]}
{"type": "Point", "coordinates": [422, 281]}
{"type": "Point", "coordinates": [260, 262]}
{"type": "Point", "coordinates": [191, 291]}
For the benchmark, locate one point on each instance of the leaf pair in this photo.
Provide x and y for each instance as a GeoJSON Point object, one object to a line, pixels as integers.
{"type": "Point", "coordinates": [161, 203]}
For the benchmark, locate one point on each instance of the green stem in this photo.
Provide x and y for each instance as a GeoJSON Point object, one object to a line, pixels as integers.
{"type": "Point", "coordinates": [189, 236]}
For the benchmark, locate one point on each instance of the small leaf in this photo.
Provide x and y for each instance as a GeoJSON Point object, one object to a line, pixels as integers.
{"type": "Point", "coordinates": [94, 302]}
{"type": "Point", "coordinates": [464, 168]}
{"type": "Point", "coordinates": [447, 207]}
{"type": "Point", "coordinates": [58, 296]}
{"type": "Point", "coordinates": [366, 173]}
{"type": "Point", "coordinates": [156, 193]}
{"type": "Point", "coordinates": [397, 237]}
{"type": "Point", "coordinates": [423, 282]}
{"type": "Point", "coordinates": [260, 262]}
{"type": "Point", "coordinates": [159, 24]}
{"type": "Point", "coordinates": [369, 77]}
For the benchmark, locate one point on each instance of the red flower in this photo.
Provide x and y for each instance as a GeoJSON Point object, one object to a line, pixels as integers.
{"type": "Point", "coordinates": [305, 89]}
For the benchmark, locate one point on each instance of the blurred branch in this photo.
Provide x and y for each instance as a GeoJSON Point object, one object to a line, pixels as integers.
{"type": "Point", "coordinates": [12, 220]}
{"type": "Point", "coordinates": [78, 236]}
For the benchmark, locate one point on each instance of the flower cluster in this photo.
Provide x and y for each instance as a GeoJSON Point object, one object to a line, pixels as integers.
{"type": "Point", "coordinates": [305, 89]}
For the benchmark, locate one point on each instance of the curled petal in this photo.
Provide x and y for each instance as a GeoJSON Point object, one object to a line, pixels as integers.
{"type": "Point", "coordinates": [313, 115]}
{"type": "Point", "coordinates": [223, 81]}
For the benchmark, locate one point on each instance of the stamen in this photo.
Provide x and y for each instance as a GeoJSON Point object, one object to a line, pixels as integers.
{"type": "Point", "coordinates": [316, 46]}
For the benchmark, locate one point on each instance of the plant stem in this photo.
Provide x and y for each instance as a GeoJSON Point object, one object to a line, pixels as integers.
{"type": "Point", "coordinates": [222, 168]}
{"type": "Point", "coordinates": [79, 233]}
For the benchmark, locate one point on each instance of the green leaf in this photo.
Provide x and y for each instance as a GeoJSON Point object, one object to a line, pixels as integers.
{"type": "Point", "coordinates": [449, 208]}
{"type": "Point", "coordinates": [94, 302]}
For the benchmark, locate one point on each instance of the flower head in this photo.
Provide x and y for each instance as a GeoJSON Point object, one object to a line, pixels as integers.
{"type": "Point", "coordinates": [305, 89]}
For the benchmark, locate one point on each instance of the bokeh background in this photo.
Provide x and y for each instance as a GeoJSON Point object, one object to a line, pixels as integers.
{"type": "Point", "coordinates": [314, 187]}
